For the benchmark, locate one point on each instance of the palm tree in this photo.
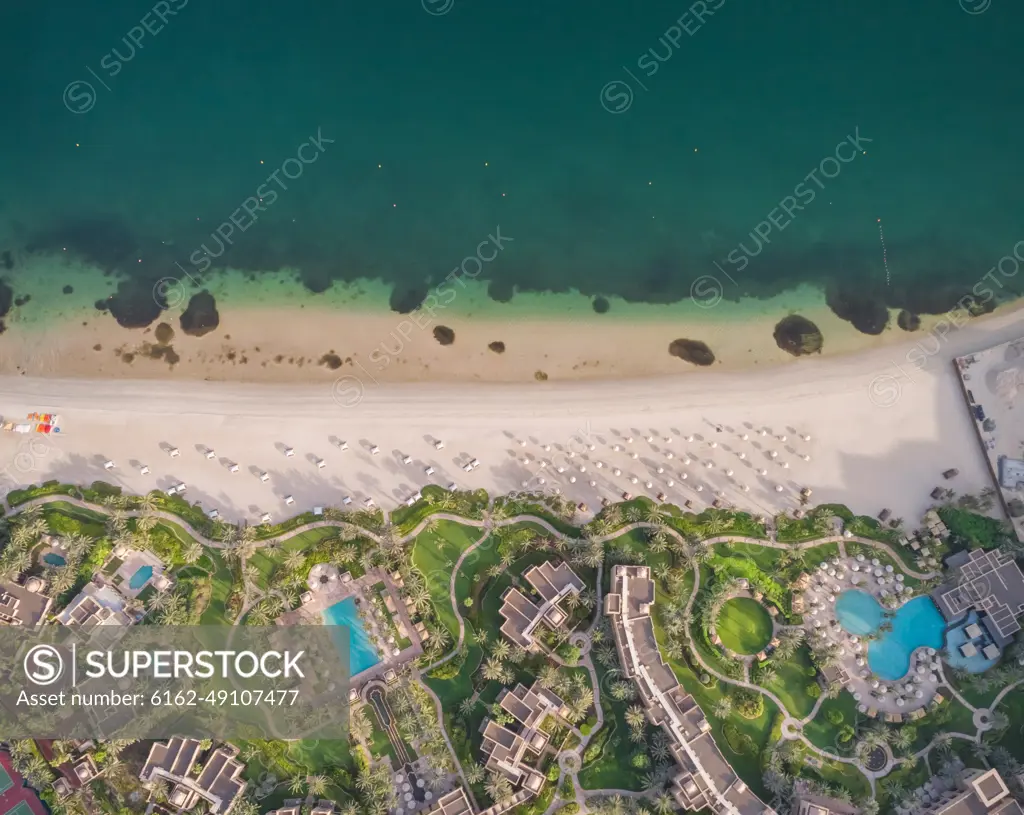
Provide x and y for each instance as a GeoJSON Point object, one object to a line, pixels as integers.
{"type": "Point", "coordinates": [493, 669]}
{"type": "Point", "coordinates": [664, 803]}
{"type": "Point", "coordinates": [500, 650]}
{"type": "Point", "coordinates": [296, 785]}
{"type": "Point", "coordinates": [498, 787]}
{"type": "Point", "coordinates": [474, 773]}
{"type": "Point", "coordinates": [294, 561]}
{"type": "Point", "coordinates": [635, 717]}
{"type": "Point", "coordinates": [722, 708]}
{"type": "Point", "coordinates": [466, 706]}
{"type": "Point", "coordinates": [192, 552]}
{"type": "Point", "coordinates": [317, 785]}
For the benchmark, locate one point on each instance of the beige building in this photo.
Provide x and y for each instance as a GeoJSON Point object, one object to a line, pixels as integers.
{"type": "Point", "coordinates": [219, 781]}
{"type": "Point", "coordinates": [510, 750]}
{"type": "Point", "coordinates": [705, 779]}
{"type": "Point", "coordinates": [983, 792]}
{"type": "Point", "coordinates": [24, 606]}
{"type": "Point", "coordinates": [522, 614]}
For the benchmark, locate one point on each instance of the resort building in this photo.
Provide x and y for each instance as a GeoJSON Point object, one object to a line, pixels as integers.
{"type": "Point", "coordinates": [807, 802]}
{"type": "Point", "coordinates": [23, 605]}
{"type": "Point", "coordinates": [522, 615]}
{"type": "Point", "coordinates": [988, 582]}
{"type": "Point", "coordinates": [218, 781]}
{"type": "Point", "coordinates": [705, 778]}
{"type": "Point", "coordinates": [98, 604]}
{"type": "Point", "coordinates": [509, 751]}
{"type": "Point", "coordinates": [452, 803]}
{"type": "Point", "coordinates": [1011, 473]}
{"type": "Point", "coordinates": [981, 792]}
{"type": "Point", "coordinates": [293, 806]}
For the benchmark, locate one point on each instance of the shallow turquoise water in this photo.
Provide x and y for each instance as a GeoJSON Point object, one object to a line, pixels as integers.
{"type": "Point", "coordinates": [362, 654]}
{"type": "Point", "coordinates": [917, 623]}
{"type": "Point", "coordinates": [128, 141]}
{"type": "Point", "coordinates": [140, 578]}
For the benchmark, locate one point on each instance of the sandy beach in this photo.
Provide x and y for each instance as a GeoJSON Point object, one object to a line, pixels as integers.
{"type": "Point", "coordinates": [275, 331]}
{"type": "Point", "coordinates": [882, 423]}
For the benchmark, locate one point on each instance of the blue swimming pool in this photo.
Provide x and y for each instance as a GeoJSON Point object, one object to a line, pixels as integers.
{"type": "Point", "coordinates": [362, 653]}
{"type": "Point", "coordinates": [53, 559]}
{"type": "Point", "coordinates": [142, 576]}
{"type": "Point", "coordinates": [915, 624]}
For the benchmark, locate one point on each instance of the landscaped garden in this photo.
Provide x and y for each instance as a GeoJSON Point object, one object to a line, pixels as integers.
{"type": "Point", "coordinates": [744, 625]}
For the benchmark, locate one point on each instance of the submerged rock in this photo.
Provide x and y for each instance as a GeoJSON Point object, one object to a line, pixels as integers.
{"type": "Point", "coordinates": [498, 347]}
{"type": "Point", "coordinates": [164, 333]}
{"type": "Point", "coordinates": [444, 335]}
{"type": "Point", "coordinates": [601, 305]}
{"type": "Point", "coordinates": [908, 321]}
{"type": "Point", "coordinates": [201, 316]}
{"type": "Point", "coordinates": [134, 305]}
{"type": "Point", "coordinates": [692, 351]}
{"type": "Point", "coordinates": [798, 336]}
{"type": "Point", "coordinates": [864, 310]}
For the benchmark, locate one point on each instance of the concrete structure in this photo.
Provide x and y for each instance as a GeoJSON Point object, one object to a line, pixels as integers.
{"type": "Point", "coordinates": [507, 749]}
{"type": "Point", "coordinates": [989, 582]}
{"type": "Point", "coordinates": [19, 605]}
{"type": "Point", "coordinates": [218, 783]}
{"type": "Point", "coordinates": [705, 778]}
{"type": "Point", "coordinates": [522, 615]}
{"type": "Point", "coordinates": [97, 604]}
{"type": "Point", "coordinates": [982, 792]}
{"type": "Point", "coordinates": [294, 807]}
{"type": "Point", "coordinates": [452, 803]}
{"type": "Point", "coordinates": [807, 802]}
{"type": "Point", "coordinates": [993, 382]}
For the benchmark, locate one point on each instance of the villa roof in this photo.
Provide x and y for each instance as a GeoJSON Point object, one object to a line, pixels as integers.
{"type": "Point", "coordinates": [218, 783]}
{"type": "Point", "coordinates": [521, 614]}
{"type": "Point", "coordinates": [452, 803]}
{"type": "Point", "coordinates": [19, 606]}
{"type": "Point", "coordinates": [990, 582]}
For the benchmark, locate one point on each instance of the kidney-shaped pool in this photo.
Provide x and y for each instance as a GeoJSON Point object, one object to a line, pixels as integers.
{"type": "Point", "coordinates": [916, 624]}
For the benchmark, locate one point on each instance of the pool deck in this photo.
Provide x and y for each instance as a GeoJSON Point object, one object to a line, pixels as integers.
{"type": "Point", "coordinates": [821, 625]}
{"type": "Point", "coordinates": [993, 380]}
{"type": "Point", "coordinates": [324, 595]}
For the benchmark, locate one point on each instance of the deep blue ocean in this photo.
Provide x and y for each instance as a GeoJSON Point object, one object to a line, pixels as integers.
{"type": "Point", "coordinates": [631, 149]}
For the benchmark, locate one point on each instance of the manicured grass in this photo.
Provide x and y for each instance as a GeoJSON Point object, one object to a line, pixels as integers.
{"type": "Point", "coordinates": [435, 553]}
{"type": "Point", "coordinates": [612, 770]}
{"type": "Point", "coordinates": [822, 733]}
{"type": "Point", "coordinates": [216, 610]}
{"type": "Point", "coordinates": [790, 685]}
{"type": "Point", "coordinates": [744, 625]}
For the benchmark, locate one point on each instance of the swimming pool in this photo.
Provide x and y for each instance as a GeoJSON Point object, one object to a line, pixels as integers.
{"type": "Point", "coordinates": [53, 559]}
{"type": "Point", "coordinates": [362, 653]}
{"type": "Point", "coordinates": [915, 624]}
{"type": "Point", "coordinates": [141, 577]}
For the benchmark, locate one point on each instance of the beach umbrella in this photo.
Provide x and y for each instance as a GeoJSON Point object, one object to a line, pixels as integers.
{"type": "Point", "coordinates": [900, 703]}
{"type": "Point", "coordinates": [746, 488]}
{"type": "Point", "coordinates": [921, 669]}
{"type": "Point", "coordinates": [900, 578]}
{"type": "Point", "coordinates": [855, 567]}
{"type": "Point", "coordinates": [729, 473]}
{"type": "Point", "coordinates": [634, 455]}
{"type": "Point", "coordinates": [714, 444]}
{"type": "Point", "coordinates": [661, 470]}
{"type": "Point", "coordinates": [671, 483]}
{"type": "Point", "coordinates": [875, 684]}
{"type": "Point", "coordinates": [648, 484]}
{"type": "Point", "coordinates": [763, 471]}
{"type": "Point", "coordinates": [823, 565]}
{"type": "Point", "coordinates": [699, 488]}
{"type": "Point", "coordinates": [742, 456]}
{"type": "Point", "coordinates": [572, 479]}
{"type": "Point", "coordinates": [778, 488]}
{"type": "Point", "coordinates": [875, 561]}
{"type": "Point", "coordinates": [773, 454]}
{"type": "Point", "coordinates": [745, 437]}
{"type": "Point", "coordinates": [593, 483]}
{"type": "Point", "coordinates": [932, 678]}
{"type": "Point", "coordinates": [547, 448]}
{"type": "Point", "coordinates": [862, 708]}
{"type": "Point", "coordinates": [860, 558]}
{"type": "Point", "coordinates": [831, 572]}
{"type": "Point", "coordinates": [860, 662]}
{"type": "Point", "coordinates": [599, 464]}
{"type": "Point", "coordinates": [888, 568]}
{"type": "Point", "coordinates": [670, 454]}
{"type": "Point", "coordinates": [582, 468]}
{"type": "Point", "coordinates": [616, 472]}
{"type": "Point", "coordinates": [689, 438]}
{"type": "Point", "coordinates": [805, 457]}
{"type": "Point", "coordinates": [856, 697]}
{"type": "Point", "coordinates": [785, 465]}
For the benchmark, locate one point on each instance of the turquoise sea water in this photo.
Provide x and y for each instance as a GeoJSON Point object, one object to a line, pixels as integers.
{"type": "Point", "coordinates": [140, 578]}
{"type": "Point", "coordinates": [917, 623]}
{"type": "Point", "coordinates": [645, 151]}
{"type": "Point", "coordinates": [362, 654]}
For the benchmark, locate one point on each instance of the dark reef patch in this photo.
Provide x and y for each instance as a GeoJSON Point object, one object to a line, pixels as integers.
{"type": "Point", "coordinates": [200, 317]}
{"type": "Point", "coordinates": [501, 291]}
{"type": "Point", "coordinates": [164, 333]}
{"type": "Point", "coordinates": [7, 260]}
{"type": "Point", "coordinates": [798, 336]}
{"type": "Point", "coordinates": [601, 305]}
{"type": "Point", "coordinates": [6, 299]}
{"type": "Point", "coordinates": [863, 309]}
{"type": "Point", "coordinates": [540, 376]}
{"type": "Point", "coordinates": [135, 304]}
{"type": "Point", "coordinates": [498, 347]}
{"type": "Point", "coordinates": [444, 335]}
{"type": "Point", "coordinates": [68, 289]}
{"type": "Point", "coordinates": [331, 360]}
{"type": "Point", "coordinates": [908, 321]}
{"type": "Point", "coordinates": [21, 299]}
{"type": "Point", "coordinates": [164, 352]}
{"type": "Point", "coordinates": [406, 300]}
{"type": "Point", "coordinates": [692, 351]}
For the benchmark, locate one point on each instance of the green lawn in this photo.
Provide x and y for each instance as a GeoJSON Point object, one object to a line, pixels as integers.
{"type": "Point", "coordinates": [744, 625]}
{"type": "Point", "coordinates": [611, 770]}
{"type": "Point", "coordinates": [822, 733]}
{"type": "Point", "coordinates": [790, 685]}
